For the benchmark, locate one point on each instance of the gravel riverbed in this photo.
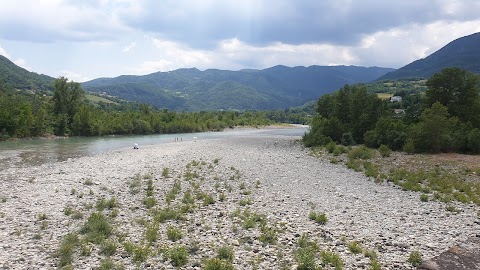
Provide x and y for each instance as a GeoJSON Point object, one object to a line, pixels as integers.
{"type": "Point", "coordinates": [274, 177]}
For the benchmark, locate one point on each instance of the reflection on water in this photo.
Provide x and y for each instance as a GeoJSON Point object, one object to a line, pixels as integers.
{"type": "Point", "coordinates": [39, 151]}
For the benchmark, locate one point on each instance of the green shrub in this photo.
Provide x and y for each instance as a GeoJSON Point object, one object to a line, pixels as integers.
{"type": "Point", "coordinates": [244, 202]}
{"type": "Point", "coordinates": [409, 146]}
{"type": "Point", "coordinates": [97, 228]}
{"type": "Point", "coordinates": [149, 202]}
{"type": "Point", "coordinates": [165, 172]}
{"type": "Point", "coordinates": [103, 204]}
{"type": "Point", "coordinates": [374, 265]}
{"type": "Point", "coordinates": [174, 234]}
{"type": "Point", "coordinates": [384, 150]}
{"type": "Point", "coordinates": [318, 218]}
{"type": "Point", "coordinates": [152, 232]}
{"type": "Point", "coordinates": [361, 152]}
{"type": "Point", "coordinates": [178, 255]}
{"type": "Point", "coordinates": [225, 253]}
{"type": "Point", "coordinates": [66, 249]}
{"type": "Point", "coordinates": [415, 258]}
{"type": "Point", "coordinates": [109, 264]}
{"type": "Point", "coordinates": [269, 235]}
{"type": "Point", "coordinates": [208, 199]}
{"type": "Point", "coordinates": [305, 258]}
{"type": "Point", "coordinates": [332, 259]}
{"type": "Point", "coordinates": [217, 264]}
{"type": "Point", "coordinates": [330, 147]}
{"type": "Point", "coordinates": [355, 247]}
{"type": "Point", "coordinates": [424, 198]}
{"type": "Point", "coordinates": [165, 214]}
{"type": "Point", "coordinates": [108, 248]}
{"type": "Point", "coordinates": [347, 139]}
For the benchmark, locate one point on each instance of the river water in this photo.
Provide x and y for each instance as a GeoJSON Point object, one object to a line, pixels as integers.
{"type": "Point", "coordinates": [23, 153]}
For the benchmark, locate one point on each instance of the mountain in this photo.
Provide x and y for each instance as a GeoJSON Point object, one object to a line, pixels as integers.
{"type": "Point", "coordinates": [463, 53]}
{"type": "Point", "coordinates": [13, 76]}
{"type": "Point", "coordinates": [213, 89]}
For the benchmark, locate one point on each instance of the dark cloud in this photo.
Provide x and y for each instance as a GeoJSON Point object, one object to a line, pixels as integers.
{"type": "Point", "coordinates": [293, 22]}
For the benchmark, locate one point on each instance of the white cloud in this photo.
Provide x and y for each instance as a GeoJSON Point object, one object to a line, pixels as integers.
{"type": "Point", "coordinates": [22, 63]}
{"type": "Point", "coordinates": [73, 76]}
{"type": "Point", "coordinates": [3, 52]}
{"type": "Point", "coordinates": [129, 47]}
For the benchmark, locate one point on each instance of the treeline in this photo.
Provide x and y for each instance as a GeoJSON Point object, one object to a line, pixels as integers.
{"type": "Point", "coordinates": [446, 118]}
{"type": "Point", "coordinates": [67, 113]}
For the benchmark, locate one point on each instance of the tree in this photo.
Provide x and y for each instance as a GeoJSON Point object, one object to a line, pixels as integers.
{"type": "Point", "coordinates": [67, 98]}
{"type": "Point", "coordinates": [434, 131]}
{"type": "Point", "coordinates": [458, 90]}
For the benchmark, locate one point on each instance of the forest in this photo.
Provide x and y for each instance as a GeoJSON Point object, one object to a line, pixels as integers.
{"type": "Point", "coordinates": [67, 112]}
{"type": "Point", "coordinates": [443, 118]}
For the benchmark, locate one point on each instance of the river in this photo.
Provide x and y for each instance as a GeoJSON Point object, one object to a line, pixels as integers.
{"type": "Point", "coordinates": [22, 153]}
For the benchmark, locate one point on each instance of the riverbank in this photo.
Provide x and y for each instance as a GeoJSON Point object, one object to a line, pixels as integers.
{"type": "Point", "coordinates": [251, 194]}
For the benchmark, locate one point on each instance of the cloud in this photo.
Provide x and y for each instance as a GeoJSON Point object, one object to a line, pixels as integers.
{"type": "Point", "coordinates": [3, 52]}
{"type": "Point", "coordinates": [73, 76]}
{"type": "Point", "coordinates": [129, 47]}
{"type": "Point", "coordinates": [22, 63]}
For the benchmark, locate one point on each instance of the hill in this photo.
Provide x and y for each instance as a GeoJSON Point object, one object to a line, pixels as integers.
{"type": "Point", "coordinates": [213, 89]}
{"type": "Point", "coordinates": [15, 77]}
{"type": "Point", "coordinates": [463, 53]}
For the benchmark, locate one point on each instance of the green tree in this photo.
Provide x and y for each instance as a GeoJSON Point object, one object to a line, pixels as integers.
{"type": "Point", "coordinates": [434, 131]}
{"type": "Point", "coordinates": [67, 98]}
{"type": "Point", "coordinates": [458, 90]}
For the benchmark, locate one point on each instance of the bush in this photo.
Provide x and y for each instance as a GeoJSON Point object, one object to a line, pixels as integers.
{"type": "Point", "coordinates": [97, 228]}
{"type": "Point", "coordinates": [332, 259]}
{"type": "Point", "coordinates": [474, 141]}
{"type": "Point", "coordinates": [355, 247]}
{"type": "Point", "coordinates": [217, 264]}
{"type": "Point", "coordinates": [347, 139]}
{"type": "Point", "coordinates": [225, 253]}
{"type": "Point", "coordinates": [384, 150]}
{"type": "Point", "coordinates": [409, 146]}
{"type": "Point", "coordinates": [330, 147]}
{"type": "Point", "coordinates": [424, 198]}
{"type": "Point", "coordinates": [361, 152]}
{"type": "Point", "coordinates": [66, 250]}
{"type": "Point", "coordinates": [415, 258]}
{"type": "Point", "coordinates": [318, 218]}
{"type": "Point", "coordinates": [174, 234]}
{"type": "Point", "coordinates": [305, 258]}
{"type": "Point", "coordinates": [178, 255]}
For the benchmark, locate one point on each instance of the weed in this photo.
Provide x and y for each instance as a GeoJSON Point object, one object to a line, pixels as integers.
{"type": "Point", "coordinates": [152, 232]}
{"type": "Point", "coordinates": [165, 172]}
{"type": "Point", "coordinates": [97, 228]}
{"type": "Point", "coordinates": [330, 147]}
{"type": "Point", "coordinates": [318, 218]}
{"type": "Point", "coordinates": [42, 216]}
{"type": "Point", "coordinates": [453, 209]}
{"type": "Point", "coordinates": [332, 259]}
{"type": "Point", "coordinates": [361, 152]}
{"type": "Point", "coordinates": [66, 249]}
{"type": "Point", "coordinates": [73, 191]}
{"type": "Point", "coordinates": [67, 211]}
{"type": "Point", "coordinates": [225, 253]}
{"type": "Point", "coordinates": [222, 197]}
{"type": "Point", "coordinates": [109, 264]}
{"type": "Point", "coordinates": [215, 161]}
{"type": "Point", "coordinates": [138, 253]}
{"type": "Point", "coordinates": [174, 234]}
{"type": "Point", "coordinates": [370, 253]}
{"type": "Point", "coordinates": [424, 198]}
{"type": "Point", "coordinates": [375, 265]}
{"type": "Point", "coordinates": [178, 255]}
{"type": "Point", "coordinates": [88, 182]}
{"type": "Point", "coordinates": [415, 258]}
{"type": "Point", "coordinates": [85, 250]}
{"type": "Point", "coordinates": [217, 264]}
{"type": "Point", "coordinates": [103, 204]}
{"type": "Point", "coordinates": [44, 225]}
{"type": "Point", "coordinates": [355, 247]}
{"type": "Point", "coordinates": [269, 235]}
{"type": "Point", "coordinates": [77, 215]}
{"type": "Point", "coordinates": [165, 214]}
{"type": "Point", "coordinates": [4, 199]}
{"type": "Point", "coordinates": [305, 258]}
{"type": "Point", "coordinates": [37, 236]}
{"type": "Point", "coordinates": [149, 202]}
{"type": "Point", "coordinates": [384, 150]}
{"type": "Point", "coordinates": [208, 199]}
{"type": "Point", "coordinates": [244, 202]}
{"type": "Point", "coordinates": [108, 248]}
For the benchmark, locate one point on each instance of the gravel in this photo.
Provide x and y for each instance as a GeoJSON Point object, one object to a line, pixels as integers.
{"type": "Point", "coordinates": [281, 179]}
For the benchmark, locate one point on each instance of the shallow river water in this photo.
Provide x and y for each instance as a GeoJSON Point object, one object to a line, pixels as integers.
{"type": "Point", "coordinates": [22, 153]}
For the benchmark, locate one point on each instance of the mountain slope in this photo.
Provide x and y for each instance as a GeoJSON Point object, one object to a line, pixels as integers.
{"type": "Point", "coordinates": [213, 89]}
{"type": "Point", "coordinates": [13, 76]}
{"type": "Point", "coordinates": [463, 53]}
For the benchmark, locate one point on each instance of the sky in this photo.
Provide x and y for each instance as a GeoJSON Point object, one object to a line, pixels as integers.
{"type": "Point", "coordinates": [87, 39]}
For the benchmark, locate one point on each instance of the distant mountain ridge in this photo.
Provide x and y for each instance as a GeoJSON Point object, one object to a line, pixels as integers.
{"type": "Point", "coordinates": [13, 76]}
{"type": "Point", "coordinates": [463, 52]}
{"type": "Point", "coordinates": [213, 89]}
